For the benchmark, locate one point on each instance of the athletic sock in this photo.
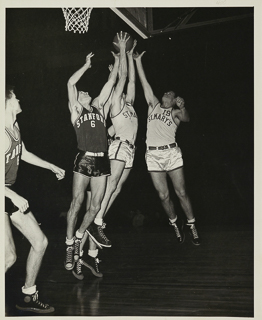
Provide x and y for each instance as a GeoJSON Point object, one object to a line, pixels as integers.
{"type": "Point", "coordinates": [70, 242]}
{"type": "Point", "coordinates": [98, 221]}
{"type": "Point", "coordinates": [93, 253]}
{"type": "Point", "coordinates": [79, 235]}
{"type": "Point", "coordinates": [30, 290]}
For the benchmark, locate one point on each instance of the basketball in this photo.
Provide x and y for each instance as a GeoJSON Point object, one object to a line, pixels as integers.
{"type": "Point", "coordinates": [129, 43]}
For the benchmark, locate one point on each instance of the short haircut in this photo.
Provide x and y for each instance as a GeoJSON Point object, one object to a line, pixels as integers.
{"type": "Point", "coordinates": [8, 92]}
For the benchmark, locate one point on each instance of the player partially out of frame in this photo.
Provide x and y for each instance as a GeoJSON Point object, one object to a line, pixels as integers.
{"type": "Point", "coordinates": [17, 208]}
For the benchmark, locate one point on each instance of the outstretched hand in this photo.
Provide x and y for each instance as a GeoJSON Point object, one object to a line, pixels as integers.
{"type": "Point", "coordinates": [130, 52]}
{"type": "Point", "coordinates": [138, 56]}
{"type": "Point", "coordinates": [88, 59]}
{"type": "Point", "coordinates": [122, 40]}
{"type": "Point", "coordinates": [110, 67]}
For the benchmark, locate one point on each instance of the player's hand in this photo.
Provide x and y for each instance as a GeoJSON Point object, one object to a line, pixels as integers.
{"type": "Point", "coordinates": [88, 60]}
{"type": "Point", "coordinates": [180, 102]}
{"type": "Point", "coordinates": [20, 202]}
{"type": "Point", "coordinates": [122, 40]}
{"type": "Point", "coordinates": [60, 173]}
{"type": "Point", "coordinates": [110, 67]}
{"type": "Point", "coordinates": [130, 52]}
{"type": "Point", "coordinates": [138, 56]}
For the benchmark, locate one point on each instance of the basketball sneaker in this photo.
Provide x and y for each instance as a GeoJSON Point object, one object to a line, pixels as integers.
{"type": "Point", "coordinates": [194, 234]}
{"type": "Point", "coordinates": [31, 303]}
{"type": "Point", "coordinates": [97, 235]}
{"type": "Point", "coordinates": [77, 248]}
{"type": "Point", "coordinates": [92, 264]}
{"type": "Point", "coordinates": [69, 261]}
{"type": "Point", "coordinates": [178, 227]}
{"type": "Point", "coordinates": [77, 271]}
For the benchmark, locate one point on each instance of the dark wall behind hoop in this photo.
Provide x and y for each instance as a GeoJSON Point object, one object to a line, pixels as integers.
{"type": "Point", "coordinates": [211, 67]}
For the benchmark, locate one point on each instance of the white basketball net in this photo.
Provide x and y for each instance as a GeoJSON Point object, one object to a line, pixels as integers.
{"type": "Point", "coordinates": [77, 19]}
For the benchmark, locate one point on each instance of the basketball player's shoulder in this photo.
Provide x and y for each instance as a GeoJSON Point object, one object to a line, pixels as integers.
{"type": "Point", "coordinates": [8, 141]}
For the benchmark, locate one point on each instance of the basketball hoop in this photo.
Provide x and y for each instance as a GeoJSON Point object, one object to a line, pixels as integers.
{"type": "Point", "coordinates": [77, 19]}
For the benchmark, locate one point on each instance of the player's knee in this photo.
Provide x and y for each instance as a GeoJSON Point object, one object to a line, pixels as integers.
{"type": "Point", "coordinates": [164, 196]}
{"type": "Point", "coordinates": [10, 259]}
{"type": "Point", "coordinates": [40, 244]}
{"type": "Point", "coordinates": [181, 193]}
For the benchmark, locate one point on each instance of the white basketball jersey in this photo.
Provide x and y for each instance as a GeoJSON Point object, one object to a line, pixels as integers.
{"type": "Point", "coordinates": [161, 128]}
{"type": "Point", "coordinates": [126, 123]}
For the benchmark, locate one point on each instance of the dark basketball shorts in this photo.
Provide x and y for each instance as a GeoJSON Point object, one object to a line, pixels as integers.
{"type": "Point", "coordinates": [10, 208]}
{"type": "Point", "coordinates": [92, 166]}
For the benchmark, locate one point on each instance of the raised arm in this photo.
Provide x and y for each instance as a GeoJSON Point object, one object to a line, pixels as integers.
{"type": "Point", "coordinates": [104, 95]}
{"type": "Point", "coordinates": [149, 95]}
{"type": "Point", "coordinates": [131, 90]}
{"type": "Point", "coordinates": [122, 69]}
{"type": "Point", "coordinates": [71, 85]}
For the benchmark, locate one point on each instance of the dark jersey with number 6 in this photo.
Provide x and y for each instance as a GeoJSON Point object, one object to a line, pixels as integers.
{"type": "Point", "coordinates": [90, 128]}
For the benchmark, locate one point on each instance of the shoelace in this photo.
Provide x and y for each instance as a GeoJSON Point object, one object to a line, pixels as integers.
{"type": "Point", "coordinates": [194, 231]}
{"type": "Point", "coordinates": [41, 304]}
{"type": "Point", "coordinates": [77, 246]}
{"type": "Point", "coordinates": [79, 266]}
{"type": "Point", "coordinates": [177, 232]}
{"type": "Point", "coordinates": [96, 263]}
{"type": "Point", "coordinates": [101, 232]}
{"type": "Point", "coordinates": [69, 254]}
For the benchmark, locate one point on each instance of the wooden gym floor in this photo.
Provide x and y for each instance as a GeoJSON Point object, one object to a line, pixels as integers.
{"type": "Point", "coordinates": [146, 273]}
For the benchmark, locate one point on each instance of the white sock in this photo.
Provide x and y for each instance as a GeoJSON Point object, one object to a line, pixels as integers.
{"type": "Point", "coordinates": [79, 235]}
{"type": "Point", "coordinates": [173, 220]}
{"type": "Point", "coordinates": [69, 242]}
{"type": "Point", "coordinates": [191, 221]}
{"type": "Point", "coordinates": [98, 221]}
{"type": "Point", "coordinates": [30, 290]}
{"type": "Point", "coordinates": [93, 253]}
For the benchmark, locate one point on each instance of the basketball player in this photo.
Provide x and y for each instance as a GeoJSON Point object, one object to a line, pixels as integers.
{"type": "Point", "coordinates": [124, 128]}
{"type": "Point", "coordinates": [91, 164]}
{"type": "Point", "coordinates": [163, 156]}
{"type": "Point", "coordinates": [17, 208]}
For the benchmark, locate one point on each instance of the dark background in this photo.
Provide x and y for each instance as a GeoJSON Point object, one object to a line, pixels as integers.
{"type": "Point", "coordinates": [211, 67]}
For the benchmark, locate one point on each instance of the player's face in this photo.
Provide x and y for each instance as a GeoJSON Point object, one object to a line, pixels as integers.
{"type": "Point", "coordinates": [15, 104]}
{"type": "Point", "coordinates": [84, 97]}
{"type": "Point", "coordinates": [169, 97]}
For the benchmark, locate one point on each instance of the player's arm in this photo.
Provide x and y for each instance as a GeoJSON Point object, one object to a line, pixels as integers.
{"type": "Point", "coordinates": [131, 89]}
{"type": "Point", "coordinates": [31, 158]}
{"type": "Point", "coordinates": [20, 202]}
{"type": "Point", "coordinates": [148, 92]}
{"type": "Point", "coordinates": [122, 69]}
{"type": "Point", "coordinates": [108, 86]}
{"type": "Point", "coordinates": [180, 114]}
{"type": "Point", "coordinates": [71, 84]}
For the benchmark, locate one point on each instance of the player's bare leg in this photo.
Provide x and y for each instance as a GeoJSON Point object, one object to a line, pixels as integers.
{"type": "Point", "coordinates": [160, 183]}
{"type": "Point", "coordinates": [178, 180]}
{"type": "Point", "coordinates": [10, 252]}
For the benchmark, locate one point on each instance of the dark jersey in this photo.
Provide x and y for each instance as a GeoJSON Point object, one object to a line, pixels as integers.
{"type": "Point", "coordinates": [12, 156]}
{"type": "Point", "coordinates": [90, 128]}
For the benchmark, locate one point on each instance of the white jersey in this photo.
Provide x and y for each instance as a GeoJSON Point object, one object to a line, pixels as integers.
{"type": "Point", "coordinates": [125, 123]}
{"type": "Point", "coordinates": [161, 128]}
